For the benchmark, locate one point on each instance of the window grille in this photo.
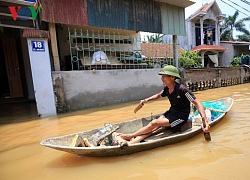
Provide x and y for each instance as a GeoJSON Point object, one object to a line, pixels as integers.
{"type": "Point", "coordinates": [104, 50]}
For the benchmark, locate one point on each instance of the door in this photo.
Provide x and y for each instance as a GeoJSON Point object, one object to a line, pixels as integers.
{"type": "Point", "coordinates": [198, 36]}
{"type": "Point", "coordinates": [12, 67]}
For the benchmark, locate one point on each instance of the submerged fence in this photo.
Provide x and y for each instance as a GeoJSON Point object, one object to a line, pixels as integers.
{"type": "Point", "coordinates": [105, 50]}
{"type": "Point", "coordinates": [208, 78]}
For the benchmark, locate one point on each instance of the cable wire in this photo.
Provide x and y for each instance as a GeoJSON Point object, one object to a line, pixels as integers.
{"type": "Point", "coordinates": [246, 2]}
{"type": "Point", "coordinates": [239, 6]}
{"type": "Point", "coordinates": [234, 7]}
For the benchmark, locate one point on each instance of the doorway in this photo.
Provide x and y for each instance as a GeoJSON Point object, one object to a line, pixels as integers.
{"type": "Point", "coordinates": [12, 73]}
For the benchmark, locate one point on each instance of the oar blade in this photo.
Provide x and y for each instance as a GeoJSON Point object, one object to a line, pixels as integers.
{"type": "Point", "coordinates": [207, 136]}
{"type": "Point", "coordinates": [137, 108]}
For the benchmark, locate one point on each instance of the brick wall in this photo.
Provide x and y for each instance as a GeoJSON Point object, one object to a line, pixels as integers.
{"type": "Point", "coordinates": [159, 50]}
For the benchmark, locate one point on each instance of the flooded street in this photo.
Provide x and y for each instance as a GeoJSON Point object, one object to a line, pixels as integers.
{"type": "Point", "coordinates": [227, 156]}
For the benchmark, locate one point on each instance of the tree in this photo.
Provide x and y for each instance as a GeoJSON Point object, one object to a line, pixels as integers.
{"type": "Point", "coordinates": [190, 59]}
{"type": "Point", "coordinates": [235, 61]}
{"type": "Point", "coordinates": [244, 37]}
{"type": "Point", "coordinates": [230, 24]}
{"type": "Point", "coordinates": [155, 38]}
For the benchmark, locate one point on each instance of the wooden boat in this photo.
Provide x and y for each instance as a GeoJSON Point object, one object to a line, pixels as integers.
{"type": "Point", "coordinates": [157, 139]}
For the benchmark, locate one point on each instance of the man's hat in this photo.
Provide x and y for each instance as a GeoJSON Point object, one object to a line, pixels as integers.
{"type": "Point", "coordinates": [170, 70]}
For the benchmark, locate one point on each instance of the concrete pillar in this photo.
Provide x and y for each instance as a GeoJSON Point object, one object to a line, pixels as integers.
{"type": "Point", "coordinates": [175, 51]}
{"type": "Point", "coordinates": [41, 71]}
{"type": "Point", "coordinates": [202, 34]}
{"type": "Point", "coordinates": [216, 33]}
{"type": "Point", "coordinates": [218, 78]}
{"type": "Point", "coordinates": [202, 58]}
{"type": "Point", "coordinates": [190, 35]}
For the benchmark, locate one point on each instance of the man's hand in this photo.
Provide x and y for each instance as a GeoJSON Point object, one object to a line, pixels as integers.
{"type": "Point", "coordinates": [205, 125]}
{"type": "Point", "coordinates": [144, 101]}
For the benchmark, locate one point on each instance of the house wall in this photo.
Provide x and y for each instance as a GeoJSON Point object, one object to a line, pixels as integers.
{"type": "Point", "coordinates": [188, 36]}
{"type": "Point", "coordinates": [193, 38]}
{"type": "Point", "coordinates": [228, 55]}
{"type": "Point", "coordinates": [127, 14]}
{"type": "Point", "coordinates": [173, 20]}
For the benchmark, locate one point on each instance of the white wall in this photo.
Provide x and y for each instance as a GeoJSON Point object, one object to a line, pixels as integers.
{"type": "Point", "coordinates": [227, 56]}
{"type": "Point", "coordinates": [83, 89]}
{"type": "Point", "coordinates": [41, 75]}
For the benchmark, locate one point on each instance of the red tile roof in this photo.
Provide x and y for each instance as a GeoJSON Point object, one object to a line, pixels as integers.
{"type": "Point", "coordinates": [206, 6]}
{"type": "Point", "coordinates": [205, 47]}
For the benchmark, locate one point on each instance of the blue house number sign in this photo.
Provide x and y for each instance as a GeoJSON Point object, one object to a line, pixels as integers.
{"type": "Point", "coordinates": [38, 46]}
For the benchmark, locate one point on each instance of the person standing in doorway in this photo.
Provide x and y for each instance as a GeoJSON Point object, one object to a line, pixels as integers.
{"type": "Point", "coordinates": [209, 37]}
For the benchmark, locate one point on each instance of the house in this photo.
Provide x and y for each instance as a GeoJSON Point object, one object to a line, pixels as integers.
{"type": "Point", "coordinates": [234, 48]}
{"type": "Point", "coordinates": [52, 43]}
{"type": "Point", "coordinates": [203, 35]}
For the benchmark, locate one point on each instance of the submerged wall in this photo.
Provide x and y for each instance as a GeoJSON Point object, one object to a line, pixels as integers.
{"type": "Point", "coordinates": [92, 88]}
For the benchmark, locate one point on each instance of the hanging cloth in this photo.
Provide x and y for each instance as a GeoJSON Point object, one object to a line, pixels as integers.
{"type": "Point", "coordinates": [214, 59]}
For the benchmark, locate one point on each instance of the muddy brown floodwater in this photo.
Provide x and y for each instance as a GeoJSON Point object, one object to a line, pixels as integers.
{"type": "Point", "coordinates": [227, 156]}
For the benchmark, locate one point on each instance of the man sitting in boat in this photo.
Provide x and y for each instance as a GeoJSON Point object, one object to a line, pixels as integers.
{"type": "Point", "coordinates": [180, 98]}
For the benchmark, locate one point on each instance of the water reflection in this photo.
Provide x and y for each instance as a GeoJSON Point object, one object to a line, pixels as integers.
{"type": "Point", "coordinates": [18, 112]}
{"type": "Point", "coordinates": [227, 156]}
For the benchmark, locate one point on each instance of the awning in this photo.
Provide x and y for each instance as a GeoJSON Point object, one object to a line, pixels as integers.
{"type": "Point", "coordinates": [236, 43]}
{"type": "Point", "coordinates": [205, 47]}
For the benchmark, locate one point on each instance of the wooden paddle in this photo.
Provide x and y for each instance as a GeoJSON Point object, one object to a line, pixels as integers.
{"type": "Point", "coordinates": [138, 108]}
{"type": "Point", "coordinates": [206, 134]}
